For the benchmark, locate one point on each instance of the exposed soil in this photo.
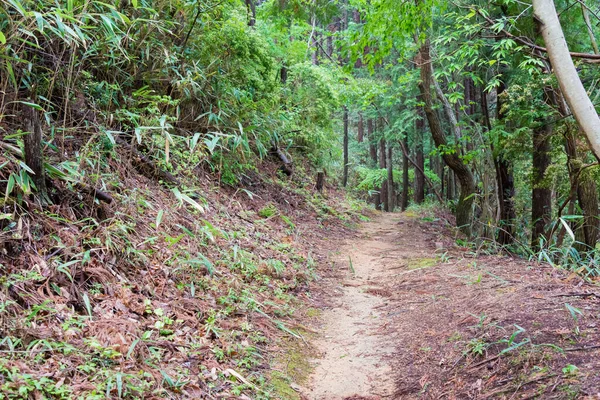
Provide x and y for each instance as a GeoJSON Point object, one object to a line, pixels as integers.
{"type": "Point", "coordinates": [414, 316]}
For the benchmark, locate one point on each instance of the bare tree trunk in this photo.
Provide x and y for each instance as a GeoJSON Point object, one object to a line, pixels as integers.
{"type": "Point", "coordinates": [449, 112]}
{"type": "Point", "coordinates": [464, 208]}
{"type": "Point", "coordinates": [34, 157]}
{"type": "Point", "coordinates": [541, 199]}
{"type": "Point", "coordinates": [251, 6]}
{"type": "Point", "coordinates": [390, 178]}
{"type": "Point", "coordinates": [405, 175]}
{"type": "Point", "coordinates": [360, 128]}
{"type": "Point", "coordinates": [587, 194]}
{"type": "Point", "coordinates": [315, 45]}
{"type": "Point", "coordinates": [384, 184]}
{"type": "Point", "coordinates": [320, 181]}
{"type": "Point", "coordinates": [375, 198]}
{"type": "Point", "coordinates": [346, 157]}
{"type": "Point", "coordinates": [575, 94]}
{"type": "Point", "coordinates": [451, 191]}
{"type": "Point", "coordinates": [588, 24]}
{"type": "Point", "coordinates": [419, 194]}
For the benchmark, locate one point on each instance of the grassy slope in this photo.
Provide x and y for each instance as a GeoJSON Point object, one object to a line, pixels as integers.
{"type": "Point", "coordinates": [151, 298]}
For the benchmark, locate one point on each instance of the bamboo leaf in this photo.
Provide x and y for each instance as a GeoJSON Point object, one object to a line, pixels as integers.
{"type": "Point", "coordinates": [568, 229]}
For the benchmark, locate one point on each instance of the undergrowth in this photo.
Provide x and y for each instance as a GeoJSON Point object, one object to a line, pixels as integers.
{"type": "Point", "coordinates": [156, 298]}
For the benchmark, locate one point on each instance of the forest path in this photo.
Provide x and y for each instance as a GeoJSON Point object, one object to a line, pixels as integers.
{"type": "Point", "coordinates": [421, 317]}
{"type": "Point", "coordinates": [355, 340]}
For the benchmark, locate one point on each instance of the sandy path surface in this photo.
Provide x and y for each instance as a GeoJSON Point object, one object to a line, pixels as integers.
{"type": "Point", "coordinates": [355, 346]}
{"type": "Point", "coordinates": [414, 316]}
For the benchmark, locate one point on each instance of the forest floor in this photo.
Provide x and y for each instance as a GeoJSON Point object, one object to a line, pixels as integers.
{"type": "Point", "coordinates": [410, 314]}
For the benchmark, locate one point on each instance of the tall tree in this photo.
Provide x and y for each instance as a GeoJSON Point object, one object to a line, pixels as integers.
{"type": "Point", "coordinates": [464, 208]}
{"type": "Point", "coordinates": [346, 155]}
{"type": "Point", "coordinates": [390, 178]}
{"type": "Point", "coordinates": [541, 197]}
{"type": "Point", "coordinates": [383, 165]}
{"type": "Point", "coordinates": [419, 193]}
{"type": "Point", "coordinates": [575, 94]}
{"type": "Point", "coordinates": [404, 174]}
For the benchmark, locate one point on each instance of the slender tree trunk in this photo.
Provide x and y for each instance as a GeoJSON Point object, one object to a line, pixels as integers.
{"type": "Point", "coordinates": [588, 24]}
{"type": "Point", "coordinates": [390, 178]}
{"type": "Point", "coordinates": [360, 128]}
{"type": "Point", "coordinates": [449, 112]}
{"type": "Point", "coordinates": [251, 6]}
{"type": "Point", "coordinates": [506, 185]}
{"type": "Point", "coordinates": [315, 53]}
{"type": "Point", "coordinates": [346, 157]}
{"type": "Point", "coordinates": [405, 175]}
{"type": "Point", "coordinates": [451, 190]}
{"type": "Point", "coordinates": [375, 197]}
{"type": "Point", "coordinates": [384, 184]}
{"type": "Point", "coordinates": [419, 194]}
{"type": "Point", "coordinates": [34, 157]}
{"type": "Point", "coordinates": [541, 199]}
{"type": "Point", "coordinates": [587, 194]}
{"type": "Point", "coordinates": [464, 208]}
{"type": "Point", "coordinates": [320, 181]}
{"type": "Point", "coordinates": [585, 186]}
{"type": "Point", "coordinates": [573, 90]}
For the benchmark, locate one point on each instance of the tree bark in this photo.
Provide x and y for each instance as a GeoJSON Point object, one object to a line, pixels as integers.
{"type": "Point", "coordinates": [588, 24]}
{"type": "Point", "coordinates": [449, 112]}
{"type": "Point", "coordinates": [375, 197]}
{"type": "Point", "coordinates": [346, 156]}
{"type": "Point", "coordinates": [384, 185]}
{"type": "Point", "coordinates": [584, 185]}
{"type": "Point", "coordinates": [506, 185]}
{"type": "Point", "coordinates": [34, 157]}
{"type": "Point", "coordinates": [251, 6]}
{"type": "Point", "coordinates": [361, 129]}
{"type": "Point", "coordinates": [573, 90]}
{"type": "Point", "coordinates": [405, 175]}
{"type": "Point", "coordinates": [390, 179]}
{"type": "Point", "coordinates": [320, 181]}
{"type": "Point", "coordinates": [464, 208]}
{"type": "Point", "coordinates": [541, 198]}
{"type": "Point", "coordinates": [419, 194]}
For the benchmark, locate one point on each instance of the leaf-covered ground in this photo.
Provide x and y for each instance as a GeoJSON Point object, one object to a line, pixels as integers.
{"type": "Point", "coordinates": [158, 297]}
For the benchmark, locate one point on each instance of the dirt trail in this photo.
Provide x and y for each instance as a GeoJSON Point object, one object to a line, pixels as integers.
{"type": "Point", "coordinates": [420, 317]}
{"type": "Point", "coordinates": [355, 355]}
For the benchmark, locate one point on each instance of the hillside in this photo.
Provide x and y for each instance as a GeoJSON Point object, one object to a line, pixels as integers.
{"type": "Point", "coordinates": [149, 297]}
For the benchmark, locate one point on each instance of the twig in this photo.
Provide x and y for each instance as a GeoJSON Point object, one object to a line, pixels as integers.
{"type": "Point", "coordinates": [583, 348]}
{"type": "Point", "coordinates": [487, 360]}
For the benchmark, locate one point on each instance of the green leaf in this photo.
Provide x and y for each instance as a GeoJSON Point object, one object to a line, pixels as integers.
{"type": "Point", "coordinates": [26, 167]}
{"type": "Point", "coordinates": [88, 305]}
{"type": "Point", "coordinates": [159, 217]}
{"type": "Point", "coordinates": [184, 197]}
{"type": "Point", "coordinates": [34, 105]}
{"type": "Point", "coordinates": [2, 38]}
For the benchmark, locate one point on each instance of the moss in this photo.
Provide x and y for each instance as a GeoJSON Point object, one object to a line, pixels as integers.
{"type": "Point", "coordinates": [420, 263]}
{"type": "Point", "coordinates": [282, 388]}
{"type": "Point", "coordinates": [313, 312]}
{"type": "Point", "coordinates": [410, 214]}
{"type": "Point", "coordinates": [291, 366]}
